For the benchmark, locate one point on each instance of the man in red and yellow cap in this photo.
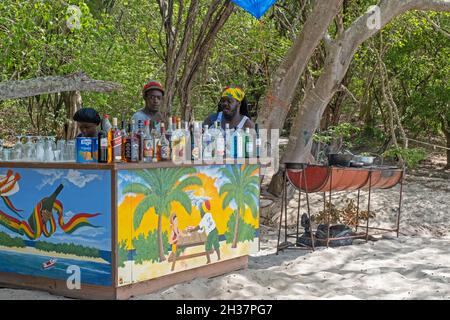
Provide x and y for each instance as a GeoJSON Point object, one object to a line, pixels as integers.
{"type": "Point", "coordinates": [153, 94]}
{"type": "Point", "coordinates": [232, 109]}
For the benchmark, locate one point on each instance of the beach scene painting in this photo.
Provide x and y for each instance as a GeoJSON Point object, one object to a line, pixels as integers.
{"type": "Point", "coordinates": [174, 219]}
{"type": "Point", "coordinates": [54, 221]}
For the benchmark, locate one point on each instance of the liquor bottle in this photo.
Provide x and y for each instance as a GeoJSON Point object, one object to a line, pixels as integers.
{"type": "Point", "coordinates": [106, 124]}
{"type": "Point", "coordinates": [103, 150]}
{"type": "Point", "coordinates": [174, 123]}
{"type": "Point", "coordinates": [156, 146]}
{"type": "Point", "coordinates": [219, 142]}
{"type": "Point", "coordinates": [47, 205]}
{"type": "Point", "coordinates": [196, 142]}
{"type": "Point", "coordinates": [164, 145]}
{"type": "Point", "coordinates": [237, 143]}
{"type": "Point", "coordinates": [124, 134]}
{"type": "Point", "coordinates": [228, 135]}
{"type": "Point", "coordinates": [147, 143]}
{"type": "Point", "coordinates": [176, 144]}
{"type": "Point", "coordinates": [257, 141]}
{"type": "Point", "coordinates": [169, 130]}
{"type": "Point", "coordinates": [131, 147]}
{"type": "Point", "coordinates": [186, 141]}
{"type": "Point", "coordinates": [108, 129]}
{"type": "Point", "coordinates": [140, 136]}
{"type": "Point", "coordinates": [183, 139]}
{"type": "Point", "coordinates": [116, 142]}
{"type": "Point", "coordinates": [248, 143]}
{"type": "Point", "coordinates": [207, 144]}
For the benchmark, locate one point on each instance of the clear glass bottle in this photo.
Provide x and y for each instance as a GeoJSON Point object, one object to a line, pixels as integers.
{"type": "Point", "coordinates": [207, 144]}
{"type": "Point", "coordinates": [147, 143]}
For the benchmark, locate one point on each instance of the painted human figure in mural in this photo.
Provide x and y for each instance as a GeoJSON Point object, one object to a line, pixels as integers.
{"type": "Point", "coordinates": [175, 233]}
{"type": "Point", "coordinates": [208, 225]}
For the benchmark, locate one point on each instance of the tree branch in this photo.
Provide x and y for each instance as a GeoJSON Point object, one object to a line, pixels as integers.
{"type": "Point", "coordinates": [72, 82]}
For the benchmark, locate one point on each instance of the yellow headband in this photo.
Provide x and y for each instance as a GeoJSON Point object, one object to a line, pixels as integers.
{"type": "Point", "coordinates": [234, 92]}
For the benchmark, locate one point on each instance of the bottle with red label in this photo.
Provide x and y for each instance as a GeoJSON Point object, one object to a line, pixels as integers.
{"type": "Point", "coordinates": [116, 142]}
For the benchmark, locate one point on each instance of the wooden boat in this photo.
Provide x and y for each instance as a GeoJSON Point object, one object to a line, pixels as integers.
{"type": "Point", "coordinates": [48, 264]}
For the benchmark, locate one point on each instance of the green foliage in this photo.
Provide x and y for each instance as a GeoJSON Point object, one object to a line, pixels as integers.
{"type": "Point", "coordinates": [246, 232]}
{"type": "Point", "coordinates": [68, 248]}
{"type": "Point", "coordinates": [342, 133]}
{"type": "Point", "coordinates": [8, 241]}
{"type": "Point", "coordinates": [412, 157]}
{"type": "Point", "coordinates": [122, 252]}
{"type": "Point", "coordinates": [147, 248]}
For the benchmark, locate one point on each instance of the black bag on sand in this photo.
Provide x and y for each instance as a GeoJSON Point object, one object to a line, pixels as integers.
{"type": "Point", "coordinates": [336, 231]}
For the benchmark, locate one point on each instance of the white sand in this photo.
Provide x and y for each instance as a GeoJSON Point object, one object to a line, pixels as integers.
{"type": "Point", "coordinates": [414, 266]}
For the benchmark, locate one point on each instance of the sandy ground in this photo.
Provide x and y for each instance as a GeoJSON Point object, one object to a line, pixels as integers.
{"type": "Point", "coordinates": [414, 266]}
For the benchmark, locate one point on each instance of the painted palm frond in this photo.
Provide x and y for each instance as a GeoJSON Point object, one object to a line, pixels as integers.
{"type": "Point", "coordinates": [137, 188]}
{"type": "Point", "coordinates": [227, 187]}
{"type": "Point", "coordinates": [227, 200]}
{"type": "Point", "coordinates": [189, 181]}
{"type": "Point", "coordinates": [182, 198]}
{"type": "Point", "coordinates": [149, 177]}
{"type": "Point", "coordinates": [251, 203]}
{"type": "Point", "coordinates": [143, 206]}
{"type": "Point", "coordinates": [229, 175]}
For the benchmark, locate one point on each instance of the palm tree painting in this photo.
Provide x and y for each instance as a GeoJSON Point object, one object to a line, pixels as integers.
{"type": "Point", "coordinates": [243, 188]}
{"type": "Point", "coordinates": [161, 188]}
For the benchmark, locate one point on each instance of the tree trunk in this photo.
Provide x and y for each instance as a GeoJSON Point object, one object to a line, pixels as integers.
{"type": "Point", "coordinates": [73, 103]}
{"type": "Point", "coordinates": [339, 56]}
{"type": "Point", "coordinates": [447, 136]}
{"type": "Point", "coordinates": [162, 257]}
{"type": "Point", "coordinates": [180, 39]}
{"type": "Point", "coordinates": [72, 82]}
{"type": "Point", "coordinates": [236, 229]}
{"type": "Point", "coordinates": [204, 42]}
{"type": "Point", "coordinates": [446, 129]}
{"type": "Point", "coordinates": [279, 95]}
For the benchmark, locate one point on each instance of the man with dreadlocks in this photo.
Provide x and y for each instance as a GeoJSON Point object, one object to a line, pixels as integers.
{"type": "Point", "coordinates": [232, 109]}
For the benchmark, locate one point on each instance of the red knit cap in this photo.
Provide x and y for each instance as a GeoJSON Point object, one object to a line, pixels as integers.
{"type": "Point", "coordinates": [153, 85]}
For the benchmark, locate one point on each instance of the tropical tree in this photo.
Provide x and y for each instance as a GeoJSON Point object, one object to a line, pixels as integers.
{"type": "Point", "coordinates": [243, 188]}
{"type": "Point", "coordinates": [161, 188]}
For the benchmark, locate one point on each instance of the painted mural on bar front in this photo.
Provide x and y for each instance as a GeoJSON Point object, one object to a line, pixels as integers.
{"type": "Point", "coordinates": [56, 223]}
{"type": "Point", "coordinates": [175, 219]}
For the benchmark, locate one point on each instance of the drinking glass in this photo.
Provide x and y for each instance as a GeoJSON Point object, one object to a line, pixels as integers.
{"type": "Point", "coordinates": [69, 152]}
{"type": "Point", "coordinates": [57, 155]}
{"type": "Point", "coordinates": [49, 146]}
{"type": "Point", "coordinates": [17, 151]}
{"type": "Point", "coordinates": [29, 149]}
{"type": "Point", "coordinates": [6, 154]}
{"type": "Point", "coordinates": [40, 151]}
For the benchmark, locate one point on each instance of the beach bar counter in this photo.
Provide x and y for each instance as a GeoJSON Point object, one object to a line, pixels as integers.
{"type": "Point", "coordinates": [112, 231]}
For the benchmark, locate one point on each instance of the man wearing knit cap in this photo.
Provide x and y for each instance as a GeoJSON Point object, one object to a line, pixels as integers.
{"type": "Point", "coordinates": [153, 94]}
{"type": "Point", "coordinates": [208, 225]}
{"type": "Point", "coordinates": [88, 120]}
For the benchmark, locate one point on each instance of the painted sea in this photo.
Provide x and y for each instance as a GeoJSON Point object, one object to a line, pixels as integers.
{"type": "Point", "coordinates": [91, 272]}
